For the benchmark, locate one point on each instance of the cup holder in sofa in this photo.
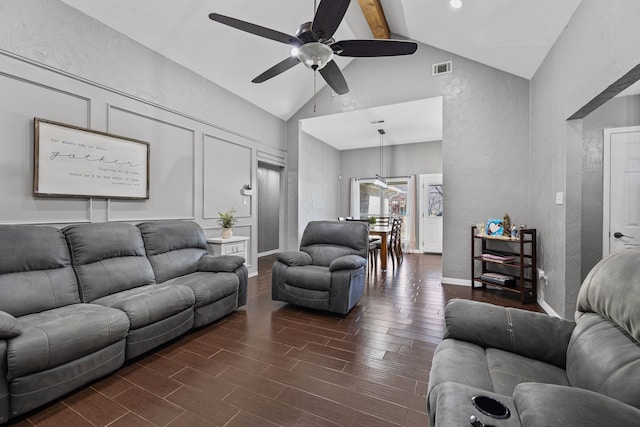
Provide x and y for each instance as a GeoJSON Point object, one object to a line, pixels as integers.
{"type": "Point", "coordinates": [490, 407]}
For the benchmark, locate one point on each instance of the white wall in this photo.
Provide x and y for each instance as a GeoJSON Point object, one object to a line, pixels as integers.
{"type": "Point", "coordinates": [58, 64]}
{"type": "Point", "coordinates": [593, 51]}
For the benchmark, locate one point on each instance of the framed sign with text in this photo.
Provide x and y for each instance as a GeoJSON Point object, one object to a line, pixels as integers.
{"type": "Point", "coordinates": [70, 161]}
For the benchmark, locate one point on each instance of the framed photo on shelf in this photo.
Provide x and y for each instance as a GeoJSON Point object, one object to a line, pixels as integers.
{"type": "Point", "coordinates": [71, 161]}
{"type": "Point", "coordinates": [494, 227]}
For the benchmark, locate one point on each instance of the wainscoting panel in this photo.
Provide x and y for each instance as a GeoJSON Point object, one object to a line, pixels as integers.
{"type": "Point", "coordinates": [20, 102]}
{"type": "Point", "coordinates": [172, 150]}
{"type": "Point", "coordinates": [227, 168]}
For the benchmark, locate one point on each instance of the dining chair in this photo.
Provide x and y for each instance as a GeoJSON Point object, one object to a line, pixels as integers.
{"type": "Point", "coordinates": [395, 241]}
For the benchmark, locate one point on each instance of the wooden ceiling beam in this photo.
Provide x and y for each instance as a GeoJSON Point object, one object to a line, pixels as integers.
{"type": "Point", "coordinates": [372, 10]}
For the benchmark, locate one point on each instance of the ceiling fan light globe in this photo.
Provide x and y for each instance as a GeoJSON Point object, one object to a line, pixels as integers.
{"type": "Point", "coordinates": [315, 55]}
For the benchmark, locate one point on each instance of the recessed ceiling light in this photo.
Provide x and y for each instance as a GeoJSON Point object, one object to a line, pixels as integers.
{"type": "Point", "coordinates": [457, 4]}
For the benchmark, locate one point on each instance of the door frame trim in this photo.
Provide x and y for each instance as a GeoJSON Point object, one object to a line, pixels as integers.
{"type": "Point", "coordinates": [606, 183]}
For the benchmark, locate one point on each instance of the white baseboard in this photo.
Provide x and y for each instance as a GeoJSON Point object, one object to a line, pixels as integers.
{"type": "Point", "coordinates": [465, 282]}
{"type": "Point", "coordinates": [454, 281]}
{"type": "Point", "coordinates": [547, 308]}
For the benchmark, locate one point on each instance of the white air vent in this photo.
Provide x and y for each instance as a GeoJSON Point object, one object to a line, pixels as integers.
{"type": "Point", "coordinates": [441, 68]}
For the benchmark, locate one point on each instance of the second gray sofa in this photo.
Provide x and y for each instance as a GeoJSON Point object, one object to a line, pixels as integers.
{"type": "Point", "coordinates": [547, 371]}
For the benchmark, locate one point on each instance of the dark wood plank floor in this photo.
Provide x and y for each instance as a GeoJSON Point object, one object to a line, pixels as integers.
{"type": "Point", "coordinates": [272, 364]}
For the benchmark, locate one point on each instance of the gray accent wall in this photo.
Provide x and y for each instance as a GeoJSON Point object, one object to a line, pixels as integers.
{"type": "Point", "coordinates": [594, 51]}
{"type": "Point", "coordinates": [59, 64]}
{"type": "Point", "coordinates": [485, 145]}
{"type": "Point", "coordinates": [318, 182]}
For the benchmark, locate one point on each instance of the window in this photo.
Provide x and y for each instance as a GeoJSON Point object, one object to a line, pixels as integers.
{"type": "Point", "coordinates": [369, 200]}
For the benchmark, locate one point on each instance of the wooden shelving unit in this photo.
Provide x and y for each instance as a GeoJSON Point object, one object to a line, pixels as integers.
{"type": "Point", "coordinates": [523, 266]}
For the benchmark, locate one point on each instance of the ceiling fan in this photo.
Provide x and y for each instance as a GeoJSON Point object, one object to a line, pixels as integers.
{"type": "Point", "coordinates": [314, 45]}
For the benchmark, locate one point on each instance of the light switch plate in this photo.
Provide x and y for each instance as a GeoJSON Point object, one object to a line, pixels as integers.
{"type": "Point", "coordinates": [559, 198]}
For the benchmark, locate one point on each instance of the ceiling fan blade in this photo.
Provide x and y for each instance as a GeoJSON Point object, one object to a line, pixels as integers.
{"type": "Point", "coordinates": [334, 78]}
{"type": "Point", "coordinates": [328, 18]}
{"type": "Point", "coordinates": [370, 48]}
{"type": "Point", "coordinates": [280, 67]}
{"type": "Point", "coordinates": [248, 27]}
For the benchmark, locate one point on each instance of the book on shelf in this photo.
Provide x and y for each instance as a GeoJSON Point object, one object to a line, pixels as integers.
{"type": "Point", "coordinates": [499, 279]}
{"type": "Point", "coordinates": [497, 258]}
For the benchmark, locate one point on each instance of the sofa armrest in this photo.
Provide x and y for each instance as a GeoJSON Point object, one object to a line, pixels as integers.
{"type": "Point", "coordinates": [535, 335]}
{"type": "Point", "coordinates": [220, 263]}
{"type": "Point", "coordinates": [554, 405]}
{"type": "Point", "coordinates": [9, 326]}
{"type": "Point", "coordinates": [347, 262]}
{"type": "Point", "coordinates": [295, 258]}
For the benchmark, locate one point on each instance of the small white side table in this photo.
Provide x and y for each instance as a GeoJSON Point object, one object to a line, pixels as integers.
{"type": "Point", "coordinates": [231, 246]}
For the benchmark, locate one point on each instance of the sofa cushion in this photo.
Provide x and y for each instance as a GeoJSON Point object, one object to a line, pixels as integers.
{"type": "Point", "coordinates": [9, 326]}
{"type": "Point", "coordinates": [208, 287]}
{"type": "Point", "coordinates": [507, 370]}
{"type": "Point", "coordinates": [35, 270]}
{"type": "Point", "coordinates": [173, 247]}
{"type": "Point", "coordinates": [148, 304]}
{"type": "Point", "coordinates": [57, 336]}
{"type": "Point", "coordinates": [309, 277]}
{"type": "Point", "coordinates": [604, 358]}
{"type": "Point", "coordinates": [108, 258]}
{"type": "Point", "coordinates": [488, 369]}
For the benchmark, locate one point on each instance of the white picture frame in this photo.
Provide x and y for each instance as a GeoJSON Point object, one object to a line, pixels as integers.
{"type": "Point", "coordinates": [71, 161]}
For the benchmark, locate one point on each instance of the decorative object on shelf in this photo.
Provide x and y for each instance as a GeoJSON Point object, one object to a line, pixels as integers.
{"type": "Point", "coordinates": [514, 232]}
{"type": "Point", "coordinates": [480, 228]}
{"type": "Point", "coordinates": [246, 190]}
{"type": "Point", "coordinates": [494, 227]}
{"type": "Point", "coordinates": [372, 220]}
{"type": "Point", "coordinates": [506, 225]}
{"type": "Point", "coordinates": [227, 220]}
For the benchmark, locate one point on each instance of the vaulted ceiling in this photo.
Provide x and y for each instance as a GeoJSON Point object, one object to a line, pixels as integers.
{"type": "Point", "coordinates": [510, 35]}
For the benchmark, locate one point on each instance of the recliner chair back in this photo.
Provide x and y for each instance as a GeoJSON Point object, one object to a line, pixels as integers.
{"type": "Point", "coordinates": [35, 270]}
{"type": "Point", "coordinates": [173, 247]}
{"type": "Point", "coordinates": [604, 350]}
{"type": "Point", "coordinates": [325, 241]}
{"type": "Point", "coordinates": [108, 258]}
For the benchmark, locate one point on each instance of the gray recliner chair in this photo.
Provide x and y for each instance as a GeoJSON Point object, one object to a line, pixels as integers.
{"type": "Point", "coordinates": [547, 371]}
{"type": "Point", "coordinates": [328, 273]}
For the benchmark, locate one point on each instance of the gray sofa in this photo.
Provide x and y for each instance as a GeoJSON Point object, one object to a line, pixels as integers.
{"type": "Point", "coordinates": [76, 303]}
{"type": "Point", "coordinates": [328, 272]}
{"type": "Point", "coordinates": [546, 371]}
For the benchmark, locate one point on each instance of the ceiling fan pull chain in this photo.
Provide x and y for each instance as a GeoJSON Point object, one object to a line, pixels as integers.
{"type": "Point", "coordinates": [314, 90]}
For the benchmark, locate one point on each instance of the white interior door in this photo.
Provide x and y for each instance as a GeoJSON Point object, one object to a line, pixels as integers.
{"type": "Point", "coordinates": [621, 215]}
{"type": "Point", "coordinates": [431, 213]}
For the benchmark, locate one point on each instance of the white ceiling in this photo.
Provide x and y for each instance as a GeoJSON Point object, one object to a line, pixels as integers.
{"type": "Point", "coordinates": [409, 122]}
{"type": "Point", "coordinates": [511, 35]}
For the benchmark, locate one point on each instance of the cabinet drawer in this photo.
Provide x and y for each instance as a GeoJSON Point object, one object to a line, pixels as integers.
{"type": "Point", "coordinates": [232, 249]}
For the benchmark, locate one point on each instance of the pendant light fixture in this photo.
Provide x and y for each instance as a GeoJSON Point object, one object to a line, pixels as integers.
{"type": "Point", "coordinates": [380, 181]}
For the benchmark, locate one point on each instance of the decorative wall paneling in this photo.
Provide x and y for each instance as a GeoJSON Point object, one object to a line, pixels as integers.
{"type": "Point", "coordinates": [177, 142]}
{"type": "Point", "coordinates": [172, 166]}
{"type": "Point", "coordinates": [21, 101]}
{"type": "Point", "coordinates": [227, 169]}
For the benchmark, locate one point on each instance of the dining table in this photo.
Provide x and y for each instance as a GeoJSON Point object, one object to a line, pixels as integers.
{"type": "Point", "coordinates": [382, 231]}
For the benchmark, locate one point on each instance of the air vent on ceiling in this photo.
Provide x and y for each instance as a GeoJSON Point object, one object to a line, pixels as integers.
{"type": "Point", "coordinates": [441, 68]}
